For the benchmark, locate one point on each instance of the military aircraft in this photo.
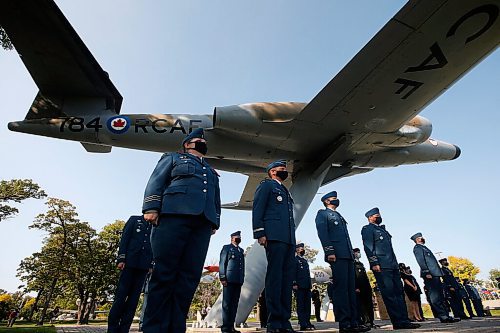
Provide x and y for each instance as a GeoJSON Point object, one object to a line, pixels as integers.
{"type": "Point", "coordinates": [366, 117]}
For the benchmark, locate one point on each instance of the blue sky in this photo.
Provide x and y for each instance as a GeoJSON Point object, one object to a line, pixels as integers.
{"type": "Point", "coordinates": [189, 56]}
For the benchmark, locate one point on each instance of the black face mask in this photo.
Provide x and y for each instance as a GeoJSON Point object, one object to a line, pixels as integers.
{"type": "Point", "coordinates": [335, 202]}
{"type": "Point", "coordinates": [201, 147]}
{"type": "Point", "coordinates": [237, 240]}
{"type": "Point", "coordinates": [378, 220]}
{"type": "Point", "coordinates": [423, 241]}
{"type": "Point", "coordinates": [302, 252]}
{"type": "Point", "coordinates": [282, 174]}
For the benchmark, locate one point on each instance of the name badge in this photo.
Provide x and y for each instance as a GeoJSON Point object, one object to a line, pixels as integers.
{"type": "Point", "coordinates": [336, 223]}
{"type": "Point", "coordinates": [138, 230]}
{"type": "Point", "coordinates": [279, 198]}
{"type": "Point", "coordinates": [381, 237]}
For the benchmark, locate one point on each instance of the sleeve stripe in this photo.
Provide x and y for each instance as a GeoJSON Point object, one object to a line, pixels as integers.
{"type": "Point", "coordinates": [258, 229]}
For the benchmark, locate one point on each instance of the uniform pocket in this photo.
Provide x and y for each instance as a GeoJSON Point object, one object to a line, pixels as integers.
{"type": "Point", "coordinates": [279, 196]}
{"type": "Point", "coordinates": [184, 168]}
{"type": "Point", "coordinates": [175, 190]}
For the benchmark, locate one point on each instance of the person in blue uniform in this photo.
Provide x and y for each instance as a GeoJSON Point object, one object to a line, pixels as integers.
{"type": "Point", "coordinates": [364, 293]}
{"type": "Point", "coordinates": [231, 275]}
{"type": "Point", "coordinates": [302, 288]}
{"type": "Point", "coordinates": [274, 228]}
{"type": "Point", "coordinates": [135, 260]}
{"type": "Point", "coordinates": [465, 297]}
{"type": "Point", "coordinates": [475, 298]}
{"type": "Point", "coordinates": [452, 290]}
{"type": "Point", "coordinates": [182, 201]}
{"type": "Point", "coordinates": [431, 273]}
{"type": "Point", "coordinates": [334, 237]}
{"type": "Point", "coordinates": [380, 253]}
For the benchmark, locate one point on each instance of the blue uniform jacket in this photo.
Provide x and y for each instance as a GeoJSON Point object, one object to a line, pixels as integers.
{"type": "Point", "coordinates": [427, 261]}
{"type": "Point", "coordinates": [449, 280]}
{"type": "Point", "coordinates": [332, 231]}
{"type": "Point", "coordinates": [378, 246]}
{"type": "Point", "coordinates": [272, 214]}
{"type": "Point", "coordinates": [232, 264]}
{"type": "Point", "coordinates": [184, 184]}
{"type": "Point", "coordinates": [472, 292]}
{"type": "Point", "coordinates": [135, 247]}
{"type": "Point", "coordinates": [302, 274]}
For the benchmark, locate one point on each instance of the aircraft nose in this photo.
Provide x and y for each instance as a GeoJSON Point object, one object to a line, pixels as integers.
{"type": "Point", "coordinates": [457, 153]}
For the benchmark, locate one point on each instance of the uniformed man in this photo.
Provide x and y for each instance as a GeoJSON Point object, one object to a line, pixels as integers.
{"type": "Point", "coordinates": [302, 288]}
{"type": "Point", "coordinates": [378, 248]}
{"type": "Point", "coordinates": [135, 259]}
{"type": "Point", "coordinates": [431, 273]}
{"type": "Point", "coordinates": [332, 231]}
{"type": "Point", "coordinates": [465, 297]}
{"type": "Point", "coordinates": [364, 291]}
{"type": "Point", "coordinates": [182, 201]}
{"type": "Point", "coordinates": [274, 228]}
{"type": "Point", "coordinates": [316, 299]}
{"type": "Point", "coordinates": [475, 298]}
{"type": "Point", "coordinates": [231, 275]}
{"type": "Point", "coordinates": [452, 290]}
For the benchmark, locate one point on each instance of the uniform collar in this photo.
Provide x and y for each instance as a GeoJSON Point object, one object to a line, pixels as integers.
{"type": "Point", "coordinates": [333, 210]}
{"type": "Point", "coordinates": [277, 181]}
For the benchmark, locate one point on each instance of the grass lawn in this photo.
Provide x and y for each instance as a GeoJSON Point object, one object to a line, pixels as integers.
{"type": "Point", "coordinates": [27, 328]}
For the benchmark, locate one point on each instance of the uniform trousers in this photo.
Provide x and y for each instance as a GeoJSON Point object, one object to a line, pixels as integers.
{"type": "Point", "coordinates": [230, 299]}
{"type": "Point", "coordinates": [456, 304]}
{"type": "Point", "coordinates": [468, 306]}
{"type": "Point", "coordinates": [436, 296]}
{"type": "Point", "coordinates": [179, 244]}
{"type": "Point", "coordinates": [391, 288]}
{"type": "Point", "coordinates": [478, 306]}
{"type": "Point", "coordinates": [303, 297]}
{"type": "Point", "coordinates": [344, 293]}
{"type": "Point", "coordinates": [127, 296]}
{"type": "Point", "coordinates": [281, 266]}
{"type": "Point", "coordinates": [365, 305]}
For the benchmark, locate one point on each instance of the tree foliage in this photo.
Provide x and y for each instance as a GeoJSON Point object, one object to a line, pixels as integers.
{"type": "Point", "coordinates": [76, 266]}
{"type": "Point", "coordinates": [5, 42]}
{"type": "Point", "coordinates": [463, 268]}
{"type": "Point", "coordinates": [17, 190]}
{"type": "Point", "coordinates": [494, 274]}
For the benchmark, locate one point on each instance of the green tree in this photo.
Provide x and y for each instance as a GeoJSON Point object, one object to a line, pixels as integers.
{"type": "Point", "coordinates": [6, 304]}
{"type": "Point", "coordinates": [5, 42]}
{"type": "Point", "coordinates": [17, 190]}
{"type": "Point", "coordinates": [61, 223]}
{"type": "Point", "coordinates": [494, 274]}
{"type": "Point", "coordinates": [463, 268]}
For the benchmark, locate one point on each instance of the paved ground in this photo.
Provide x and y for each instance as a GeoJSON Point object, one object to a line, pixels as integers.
{"type": "Point", "coordinates": [482, 325]}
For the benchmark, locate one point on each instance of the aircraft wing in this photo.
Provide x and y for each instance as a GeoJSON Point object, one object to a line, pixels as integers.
{"type": "Point", "coordinates": [55, 56]}
{"type": "Point", "coordinates": [246, 200]}
{"type": "Point", "coordinates": [414, 58]}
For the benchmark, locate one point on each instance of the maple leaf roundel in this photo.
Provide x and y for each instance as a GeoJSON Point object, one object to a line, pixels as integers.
{"type": "Point", "coordinates": [118, 124]}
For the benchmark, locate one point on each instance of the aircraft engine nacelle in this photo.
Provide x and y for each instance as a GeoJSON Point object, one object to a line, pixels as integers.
{"type": "Point", "coordinates": [257, 119]}
{"type": "Point", "coordinates": [416, 131]}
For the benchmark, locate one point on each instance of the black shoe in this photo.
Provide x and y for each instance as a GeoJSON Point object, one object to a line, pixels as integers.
{"type": "Point", "coordinates": [363, 328]}
{"type": "Point", "coordinates": [409, 326]}
{"type": "Point", "coordinates": [311, 327]}
{"type": "Point", "coordinates": [450, 320]}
